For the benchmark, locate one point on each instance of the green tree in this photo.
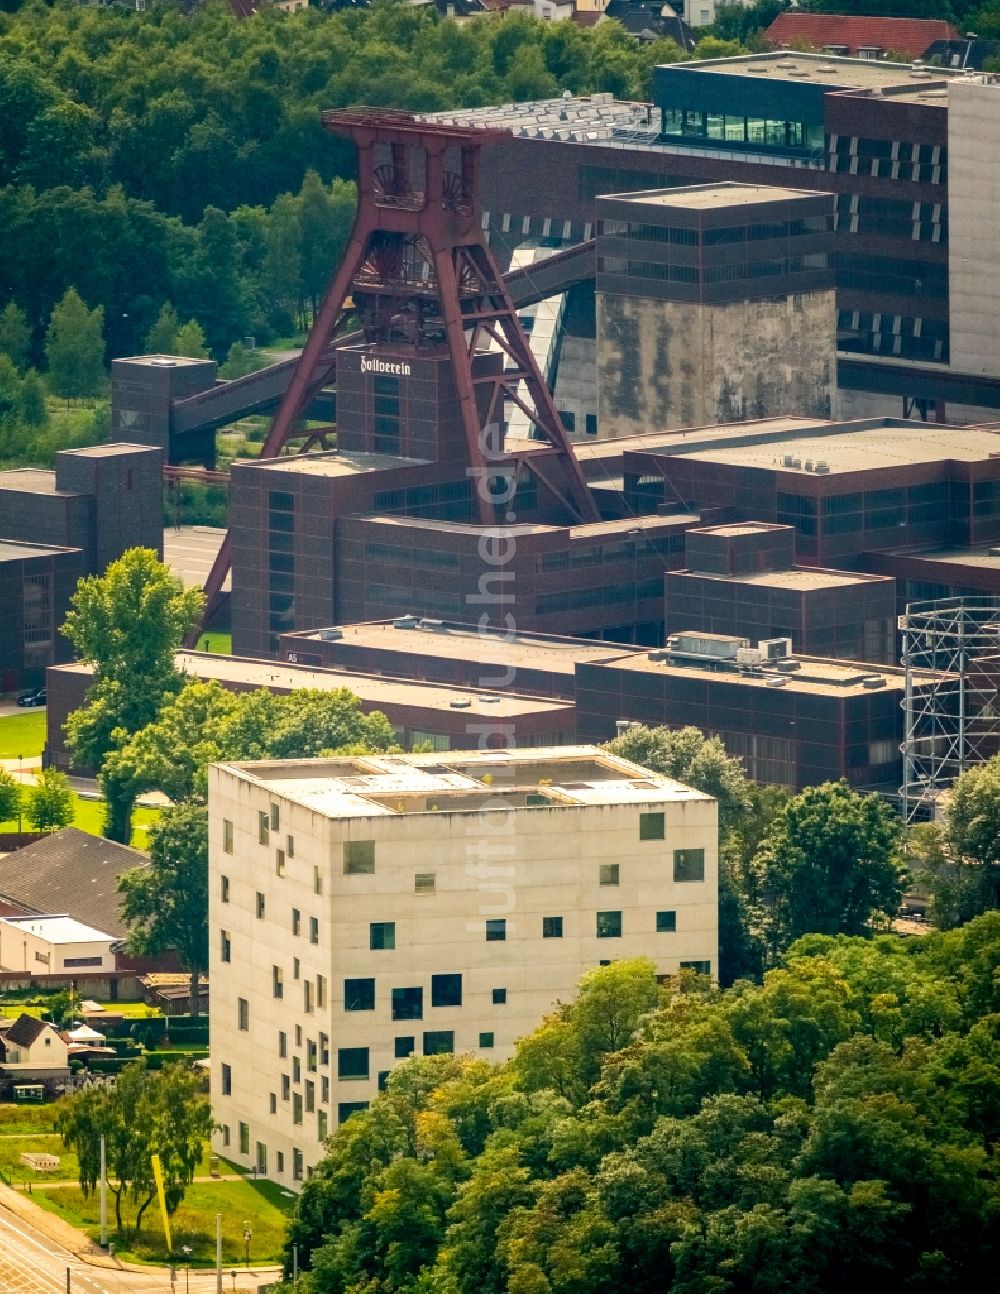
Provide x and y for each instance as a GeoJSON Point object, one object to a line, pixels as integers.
{"type": "Point", "coordinates": [10, 796]}
{"type": "Point", "coordinates": [31, 407]}
{"type": "Point", "coordinates": [828, 865]}
{"type": "Point", "coordinates": [688, 756]}
{"type": "Point", "coordinates": [971, 839]}
{"type": "Point", "coordinates": [143, 1114]}
{"type": "Point", "coordinates": [15, 335]}
{"type": "Point", "coordinates": [166, 904]}
{"type": "Point", "coordinates": [74, 347]}
{"type": "Point", "coordinates": [127, 624]}
{"type": "Point", "coordinates": [240, 362]}
{"type": "Point", "coordinates": [189, 340]}
{"type": "Point", "coordinates": [162, 337]}
{"type": "Point", "coordinates": [50, 801]}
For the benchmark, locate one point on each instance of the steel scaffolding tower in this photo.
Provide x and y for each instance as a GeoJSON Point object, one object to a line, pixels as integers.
{"type": "Point", "coordinates": [951, 652]}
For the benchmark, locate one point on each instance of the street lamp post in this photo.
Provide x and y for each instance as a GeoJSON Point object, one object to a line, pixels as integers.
{"type": "Point", "coordinates": [186, 1251]}
{"type": "Point", "coordinates": [247, 1237]}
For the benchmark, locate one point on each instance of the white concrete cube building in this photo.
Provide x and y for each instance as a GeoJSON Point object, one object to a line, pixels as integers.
{"type": "Point", "coordinates": [364, 909]}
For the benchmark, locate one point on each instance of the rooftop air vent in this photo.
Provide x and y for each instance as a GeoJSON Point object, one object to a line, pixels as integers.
{"type": "Point", "coordinates": [787, 666]}
{"type": "Point", "coordinates": [776, 682]}
{"type": "Point", "coordinates": [872, 683]}
{"type": "Point", "coordinates": [405, 622]}
{"type": "Point", "coordinates": [434, 625]}
{"type": "Point", "coordinates": [330, 635]}
{"type": "Point", "coordinates": [460, 705]}
{"type": "Point", "coordinates": [822, 467]}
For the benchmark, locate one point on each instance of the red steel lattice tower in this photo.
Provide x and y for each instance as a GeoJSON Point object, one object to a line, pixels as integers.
{"type": "Point", "coordinates": [418, 274]}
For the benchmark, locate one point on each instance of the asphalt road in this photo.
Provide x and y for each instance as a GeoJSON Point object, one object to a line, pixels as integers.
{"type": "Point", "coordinates": [31, 1263]}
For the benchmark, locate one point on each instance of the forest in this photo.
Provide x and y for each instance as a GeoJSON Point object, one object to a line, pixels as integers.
{"type": "Point", "coordinates": [831, 1129]}
{"type": "Point", "coordinates": [177, 157]}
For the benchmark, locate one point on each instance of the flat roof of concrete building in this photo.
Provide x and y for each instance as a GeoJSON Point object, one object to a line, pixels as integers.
{"type": "Point", "coordinates": [12, 551]}
{"type": "Point", "coordinates": [827, 70]}
{"type": "Point", "coordinates": [735, 530]}
{"type": "Point", "coordinates": [333, 462]}
{"type": "Point", "coordinates": [984, 557]}
{"type": "Point", "coordinates": [58, 928]}
{"type": "Point", "coordinates": [110, 451]}
{"type": "Point", "coordinates": [593, 454]}
{"type": "Point", "coordinates": [547, 777]}
{"type": "Point", "coordinates": [801, 578]}
{"type": "Point", "coordinates": [589, 118]}
{"type": "Point", "coordinates": [727, 194]}
{"type": "Point", "coordinates": [163, 361]}
{"type": "Point", "coordinates": [370, 689]}
{"type": "Point", "coordinates": [816, 675]}
{"type": "Point", "coordinates": [586, 530]}
{"type": "Point", "coordinates": [445, 639]}
{"type": "Point", "coordinates": [33, 480]}
{"type": "Point", "coordinates": [846, 448]}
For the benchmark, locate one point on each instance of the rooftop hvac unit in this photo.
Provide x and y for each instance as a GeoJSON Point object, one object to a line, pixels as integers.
{"type": "Point", "coordinates": [776, 682]}
{"type": "Point", "coordinates": [330, 635]}
{"type": "Point", "coordinates": [872, 683]}
{"type": "Point", "coordinates": [435, 625]}
{"type": "Point", "coordinates": [822, 467]}
{"type": "Point", "coordinates": [405, 622]}
{"type": "Point", "coordinates": [787, 666]}
{"type": "Point", "coordinates": [775, 648]}
{"type": "Point", "coordinates": [657, 655]}
{"type": "Point", "coordinates": [748, 658]}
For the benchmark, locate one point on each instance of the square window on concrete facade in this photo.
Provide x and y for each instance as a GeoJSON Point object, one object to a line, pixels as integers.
{"type": "Point", "coordinates": [689, 864]}
{"type": "Point", "coordinates": [446, 990]}
{"type": "Point", "coordinates": [382, 935]}
{"type": "Point", "coordinates": [404, 1047]}
{"type": "Point", "coordinates": [359, 995]}
{"type": "Point", "coordinates": [407, 1003]}
{"type": "Point", "coordinates": [496, 930]}
{"type": "Point", "coordinates": [666, 922]}
{"type": "Point", "coordinates": [352, 1062]}
{"type": "Point", "coordinates": [609, 925]}
{"type": "Point", "coordinates": [552, 927]}
{"type": "Point", "coordinates": [359, 857]}
{"type": "Point", "coordinates": [651, 826]}
{"type": "Point", "coordinates": [438, 1042]}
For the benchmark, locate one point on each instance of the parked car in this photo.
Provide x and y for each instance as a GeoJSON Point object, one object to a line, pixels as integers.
{"type": "Point", "coordinates": [33, 698]}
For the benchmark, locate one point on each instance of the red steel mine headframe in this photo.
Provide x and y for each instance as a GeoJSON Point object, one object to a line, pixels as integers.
{"type": "Point", "coordinates": [417, 273]}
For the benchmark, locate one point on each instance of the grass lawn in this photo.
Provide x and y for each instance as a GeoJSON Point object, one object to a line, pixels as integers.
{"type": "Point", "coordinates": [26, 1118]}
{"type": "Point", "coordinates": [51, 1143]}
{"type": "Point", "coordinates": [22, 734]}
{"type": "Point", "coordinates": [261, 1203]}
{"type": "Point", "coordinates": [221, 644]}
{"type": "Point", "coordinates": [89, 815]}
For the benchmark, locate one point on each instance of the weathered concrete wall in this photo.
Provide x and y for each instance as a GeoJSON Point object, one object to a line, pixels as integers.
{"type": "Point", "coordinates": [664, 364]}
{"type": "Point", "coordinates": [973, 214]}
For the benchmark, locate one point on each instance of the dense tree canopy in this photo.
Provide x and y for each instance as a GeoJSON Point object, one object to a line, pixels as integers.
{"type": "Point", "coordinates": [144, 1113]}
{"type": "Point", "coordinates": [832, 1129]}
{"type": "Point", "coordinates": [179, 156]}
{"type": "Point", "coordinates": [126, 623]}
{"type": "Point", "coordinates": [828, 864]}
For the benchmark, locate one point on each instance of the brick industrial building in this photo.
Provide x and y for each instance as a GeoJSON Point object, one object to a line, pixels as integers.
{"type": "Point", "coordinates": [906, 151]}
{"type": "Point", "coordinates": [316, 541]}
{"type": "Point", "coordinates": [795, 720]}
{"type": "Point", "coordinates": [442, 716]}
{"type": "Point", "coordinates": [57, 526]}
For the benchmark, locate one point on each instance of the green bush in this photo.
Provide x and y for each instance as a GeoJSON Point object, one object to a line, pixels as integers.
{"type": "Point", "coordinates": [157, 1059]}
